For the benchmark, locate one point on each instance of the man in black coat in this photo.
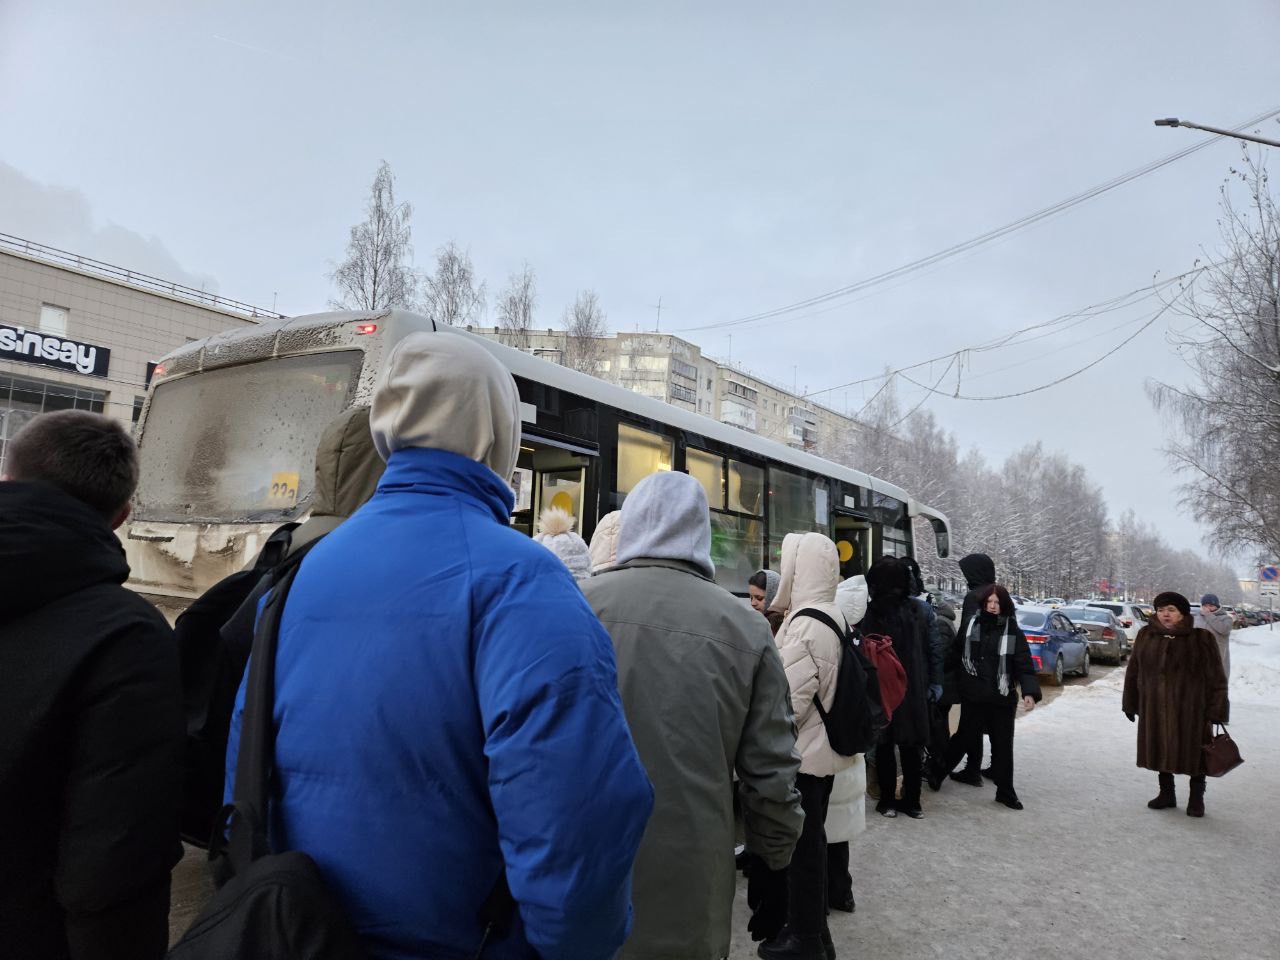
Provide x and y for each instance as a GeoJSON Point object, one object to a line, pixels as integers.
{"type": "Point", "coordinates": [90, 715]}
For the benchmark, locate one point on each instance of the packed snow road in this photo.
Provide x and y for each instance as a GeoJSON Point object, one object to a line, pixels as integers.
{"type": "Point", "coordinates": [1086, 870]}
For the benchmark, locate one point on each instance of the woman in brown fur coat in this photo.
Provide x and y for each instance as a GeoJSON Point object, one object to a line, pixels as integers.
{"type": "Point", "coordinates": [1176, 688]}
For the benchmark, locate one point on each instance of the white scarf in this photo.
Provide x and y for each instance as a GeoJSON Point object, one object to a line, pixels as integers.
{"type": "Point", "coordinates": [1006, 649]}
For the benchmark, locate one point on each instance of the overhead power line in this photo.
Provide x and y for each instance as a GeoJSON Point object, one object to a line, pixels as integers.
{"type": "Point", "coordinates": [1020, 336]}
{"type": "Point", "coordinates": [980, 240]}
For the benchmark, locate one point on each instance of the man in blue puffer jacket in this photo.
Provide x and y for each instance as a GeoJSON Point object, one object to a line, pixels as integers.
{"type": "Point", "coordinates": [446, 702]}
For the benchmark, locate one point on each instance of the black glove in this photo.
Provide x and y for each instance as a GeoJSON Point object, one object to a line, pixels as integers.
{"type": "Point", "coordinates": [1133, 717]}
{"type": "Point", "coordinates": [767, 898]}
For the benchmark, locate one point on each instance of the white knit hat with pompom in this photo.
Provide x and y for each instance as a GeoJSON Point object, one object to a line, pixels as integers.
{"type": "Point", "coordinates": [555, 532]}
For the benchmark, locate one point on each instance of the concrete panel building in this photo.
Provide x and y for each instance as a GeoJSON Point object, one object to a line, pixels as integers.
{"type": "Point", "coordinates": [675, 371]}
{"type": "Point", "coordinates": [77, 333]}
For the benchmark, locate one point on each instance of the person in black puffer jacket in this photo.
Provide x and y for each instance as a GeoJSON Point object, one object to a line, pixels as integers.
{"type": "Point", "coordinates": [893, 612]}
{"type": "Point", "coordinates": [91, 716]}
{"type": "Point", "coordinates": [994, 656]}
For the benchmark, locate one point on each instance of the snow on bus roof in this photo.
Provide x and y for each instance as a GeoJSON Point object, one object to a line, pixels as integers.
{"type": "Point", "coordinates": [397, 324]}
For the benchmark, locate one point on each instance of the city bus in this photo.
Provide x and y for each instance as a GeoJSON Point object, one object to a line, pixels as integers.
{"type": "Point", "coordinates": [229, 427]}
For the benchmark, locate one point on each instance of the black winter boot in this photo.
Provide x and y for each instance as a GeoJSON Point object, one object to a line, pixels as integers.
{"type": "Point", "coordinates": [1195, 803]}
{"type": "Point", "coordinates": [828, 945]}
{"type": "Point", "coordinates": [789, 946]}
{"type": "Point", "coordinates": [1166, 798]}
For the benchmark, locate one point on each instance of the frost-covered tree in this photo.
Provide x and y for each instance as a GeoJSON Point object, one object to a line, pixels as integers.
{"type": "Point", "coordinates": [378, 270]}
{"type": "Point", "coordinates": [1227, 421]}
{"type": "Point", "coordinates": [451, 294]}
{"type": "Point", "coordinates": [515, 308]}
{"type": "Point", "coordinates": [585, 326]}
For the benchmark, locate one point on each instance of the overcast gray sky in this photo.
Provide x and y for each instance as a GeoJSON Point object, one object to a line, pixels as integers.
{"type": "Point", "coordinates": [729, 158]}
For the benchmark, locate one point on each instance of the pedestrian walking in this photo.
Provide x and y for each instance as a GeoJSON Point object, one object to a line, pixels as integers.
{"type": "Point", "coordinates": [995, 657]}
{"type": "Point", "coordinates": [941, 759]}
{"type": "Point", "coordinates": [1218, 622]}
{"type": "Point", "coordinates": [1175, 687]}
{"type": "Point", "coordinates": [810, 650]}
{"type": "Point", "coordinates": [761, 589]}
{"type": "Point", "coordinates": [706, 697]}
{"type": "Point", "coordinates": [893, 612]}
{"type": "Point", "coordinates": [448, 729]}
{"type": "Point", "coordinates": [91, 715]}
{"type": "Point", "coordinates": [556, 533]}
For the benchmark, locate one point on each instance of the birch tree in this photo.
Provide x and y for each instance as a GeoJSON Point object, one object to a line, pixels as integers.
{"type": "Point", "coordinates": [452, 296]}
{"type": "Point", "coordinates": [1227, 421]}
{"type": "Point", "coordinates": [585, 326]}
{"type": "Point", "coordinates": [515, 309]}
{"type": "Point", "coordinates": [378, 270]}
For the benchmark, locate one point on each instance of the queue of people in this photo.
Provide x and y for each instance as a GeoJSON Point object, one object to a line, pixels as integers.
{"type": "Point", "coordinates": [558, 723]}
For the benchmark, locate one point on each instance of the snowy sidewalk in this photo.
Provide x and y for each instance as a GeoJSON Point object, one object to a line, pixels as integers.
{"type": "Point", "coordinates": [1086, 870]}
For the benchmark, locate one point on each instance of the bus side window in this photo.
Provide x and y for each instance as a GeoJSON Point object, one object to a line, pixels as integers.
{"type": "Point", "coordinates": [641, 453]}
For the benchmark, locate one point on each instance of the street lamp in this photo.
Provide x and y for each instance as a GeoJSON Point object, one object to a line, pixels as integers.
{"type": "Point", "coordinates": [1175, 122]}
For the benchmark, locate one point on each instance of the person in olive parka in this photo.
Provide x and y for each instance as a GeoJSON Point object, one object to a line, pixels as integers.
{"type": "Point", "coordinates": [994, 656]}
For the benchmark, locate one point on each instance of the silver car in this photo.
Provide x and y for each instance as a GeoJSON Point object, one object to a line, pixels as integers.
{"type": "Point", "coordinates": [1107, 639]}
{"type": "Point", "coordinates": [1131, 616]}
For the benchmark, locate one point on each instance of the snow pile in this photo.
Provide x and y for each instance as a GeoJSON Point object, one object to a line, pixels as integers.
{"type": "Point", "coordinates": [1255, 665]}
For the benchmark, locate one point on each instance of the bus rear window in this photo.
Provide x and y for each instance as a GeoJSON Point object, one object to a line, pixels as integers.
{"type": "Point", "coordinates": [238, 444]}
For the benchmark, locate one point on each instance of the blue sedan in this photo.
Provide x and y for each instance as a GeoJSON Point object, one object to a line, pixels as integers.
{"type": "Point", "coordinates": [1058, 646]}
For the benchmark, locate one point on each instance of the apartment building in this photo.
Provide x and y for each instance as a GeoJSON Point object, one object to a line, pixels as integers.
{"type": "Point", "coordinates": [675, 371]}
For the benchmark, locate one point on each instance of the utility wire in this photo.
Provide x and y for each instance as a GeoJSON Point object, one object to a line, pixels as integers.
{"type": "Point", "coordinates": [1101, 308]}
{"type": "Point", "coordinates": [1063, 379]}
{"type": "Point", "coordinates": [964, 246]}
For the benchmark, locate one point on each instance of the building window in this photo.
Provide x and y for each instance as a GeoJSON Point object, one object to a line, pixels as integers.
{"type": "Point", "coordinates": [683, 393]}
{"type": "Point", "coordinates": [686, 370]}
{"type": "Point", "coordinates": [742, 390]}
{"type": "Point", "coordinates": [21, 400]}
{"type": "Point", "coordinates": [640, 453]}
{"type": "Point", "coordinates": [137, 409]}
{"type": "Point", "coordinates": [53, 320]}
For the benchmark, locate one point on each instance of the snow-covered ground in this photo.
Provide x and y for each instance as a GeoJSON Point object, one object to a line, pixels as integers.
{"type": "Point", "coordinates": [1255, 665]}
{"type": "Point", "coordinates": [1086, 870]}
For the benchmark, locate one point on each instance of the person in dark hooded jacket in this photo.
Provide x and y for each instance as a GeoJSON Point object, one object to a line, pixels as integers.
{"type": "Point", "coordinates": [979, 572]}
{"type": "Point", "coordinates": [90, 718]}
{"type": "Point", "coordinates": [213, 647]}
{"type": "Point", "coordinates": [994, 657]}
{"type": "Point", "coordinates": [893, 612]}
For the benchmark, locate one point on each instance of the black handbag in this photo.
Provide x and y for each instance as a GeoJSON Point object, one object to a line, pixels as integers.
{"type": "Point", "coordinates": [269, 906]}
{"type": "Point", "coordinates": [1221, 755]}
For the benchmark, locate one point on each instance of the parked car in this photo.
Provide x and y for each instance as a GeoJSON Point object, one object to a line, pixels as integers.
{"type": "Point", "coordinates": [1058, 646]}
{"type": "Point", "coordinates": [1130, 615]}
{"type": "Point", "coordinates": [1054, 601]}
{"type": "Point", "coordinates": [1107, 638]}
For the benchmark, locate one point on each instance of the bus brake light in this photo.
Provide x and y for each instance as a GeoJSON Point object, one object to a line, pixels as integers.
{"type": "Point", "coordinates": [366, 328]}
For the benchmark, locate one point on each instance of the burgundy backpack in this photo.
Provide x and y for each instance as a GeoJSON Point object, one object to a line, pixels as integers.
{"type": "Point", "coordinates": [878, 648]}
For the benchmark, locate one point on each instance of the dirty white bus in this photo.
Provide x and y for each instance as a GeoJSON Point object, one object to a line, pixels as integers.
{"type": "Point", "coordinates": [228, 433]}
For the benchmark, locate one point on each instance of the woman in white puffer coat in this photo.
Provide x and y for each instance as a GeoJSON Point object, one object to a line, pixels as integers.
{"type": "Point", "coordinates": [810, 651]}
{"type": "Point", "coordinates": [847, 810]}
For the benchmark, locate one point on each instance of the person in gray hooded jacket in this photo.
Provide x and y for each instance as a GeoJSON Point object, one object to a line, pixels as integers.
{"type": "Point", "coordinates": [705, 695]}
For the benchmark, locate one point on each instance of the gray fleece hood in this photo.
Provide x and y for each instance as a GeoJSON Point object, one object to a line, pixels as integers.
{"type": "Point", "coordinates": [442, 391]}
{"type": "Point", "coordinates": [665, 518]}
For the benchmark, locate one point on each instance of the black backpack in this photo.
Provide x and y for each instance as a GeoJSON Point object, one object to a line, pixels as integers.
{"type": "Point", "coordinates": [268, 906]}
{"type": "Point", "coordinates": [214, 636]}
{"type": "Point", "coordinates": [856, 720]}
{"type": "Point", "coordinates": [276, 906]}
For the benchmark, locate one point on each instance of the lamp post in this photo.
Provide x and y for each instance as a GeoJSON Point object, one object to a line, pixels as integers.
{"type": "Point", "coordinates": [1175, 122]}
